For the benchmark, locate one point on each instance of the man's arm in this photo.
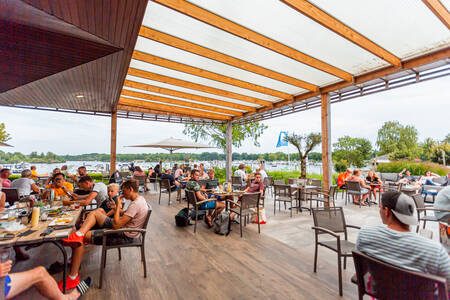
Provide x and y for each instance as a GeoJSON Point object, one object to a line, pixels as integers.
{"type": "Point", "coordinates": [35, 188]}
{"type": "Point", "coordinates": [119, 221]}
{"type": "Point", "coordinates": [87, 198]}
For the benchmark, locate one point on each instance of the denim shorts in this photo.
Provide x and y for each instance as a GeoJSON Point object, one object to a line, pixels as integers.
{"type": "Point", "coordinates": [208, 205]}
{"type": "Point", "coordinates": [364, 191]}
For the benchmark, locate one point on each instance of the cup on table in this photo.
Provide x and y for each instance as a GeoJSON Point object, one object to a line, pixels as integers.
{"type": "Point", "coordinates": [11, 215]}
{"type": "Point", "coordinates": [44, 216]}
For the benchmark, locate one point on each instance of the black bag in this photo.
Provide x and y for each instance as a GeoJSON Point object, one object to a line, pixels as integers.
{"type": "Point", "coordinates": [182, 218]}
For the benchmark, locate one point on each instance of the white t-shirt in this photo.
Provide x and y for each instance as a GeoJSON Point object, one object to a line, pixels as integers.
{"type": "Point", "coordinates": [178, 173]}
{"type": "Point", "coordinates": [240, 173]}
{"type": "Point", "coordinates": [23, 185]}
{"type": "Point", "coordinates": [102, 192]}
{"type": "Point", "coordinates": [263, 174]}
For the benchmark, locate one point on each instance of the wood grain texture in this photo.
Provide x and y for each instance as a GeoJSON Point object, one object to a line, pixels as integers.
{"type": "Point", "coordinates": [439, 10]}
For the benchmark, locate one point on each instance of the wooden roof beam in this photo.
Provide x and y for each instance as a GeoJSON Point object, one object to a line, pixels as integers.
{"type": "Point", "coordinates": [184, 45]}
{"type": "Point", "coordinates": [316, 14]}
{"type": "Point", "coordinates": [194, 86]}
{"type": "Point", "coordinates": [221, 23]}
{"type": "Point", "coordinates": [170, 92]}
{"type": "Point", "coordinates": [439, 10]}
{"type": "Point", "coordinates": [148, 111]}
{"type": "Point", "coordinates": [171, 109]}
{"type": "Point", "coordinates": [179, 102]}
{"type": "Point", "coordinates": [170, 64]}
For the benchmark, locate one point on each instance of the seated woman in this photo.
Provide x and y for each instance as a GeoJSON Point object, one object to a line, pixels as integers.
{"type": "Point", "coordinates": [374, 182]}
{"type": "Point", "coordinates": [427, 179]}
{"type": "Point", "coordinates": [179, 172]}
{"type": "Point", "coordinates": [211, 206]}
{"type": "Point", "coordinates": [364, 187]}
{"type": "Point", "coordinates": [139, 172]}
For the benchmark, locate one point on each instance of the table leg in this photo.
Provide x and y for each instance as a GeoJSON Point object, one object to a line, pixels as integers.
{"type": "Point", "coordinates": [61, 247]}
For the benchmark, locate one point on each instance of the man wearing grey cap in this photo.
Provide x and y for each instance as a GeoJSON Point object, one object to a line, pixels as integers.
{"type": "Point", "coordinates": [395, 244]}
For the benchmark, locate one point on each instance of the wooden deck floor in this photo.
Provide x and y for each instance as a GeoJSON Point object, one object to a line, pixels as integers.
{"type": "Point", "coordinates": [182, 265]}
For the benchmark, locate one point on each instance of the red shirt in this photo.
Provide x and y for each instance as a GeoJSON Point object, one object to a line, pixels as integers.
{"type": "Point", "coordinates": [5, 182]}
{"type": "Point", "coordinates": [255, 187]}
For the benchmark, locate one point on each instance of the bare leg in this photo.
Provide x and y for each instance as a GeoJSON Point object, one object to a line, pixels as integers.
{"type": "Point", "coordinates": [95, 217]}
{"type": "Point", "coordinates": [42, 281]}
{"type": "Point", "coordinates": [77, 257]}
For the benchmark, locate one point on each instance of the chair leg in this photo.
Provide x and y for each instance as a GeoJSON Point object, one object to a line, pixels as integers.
{"type": "Point", "coordinates": [345, 262]}
{"type": "Point", "coordinates": [424, 223]}
{"type": "Point", "coordinates": [257, 218]}
{"type": "Point", "coordinates": [120, 254]}
{"type": "Point", "coordinates": [291, 207]}
{"type": "Point", "coordinates": [240, 223]}
{"type": "Point", "coordinates": [102, 267]}
{"type": "Point", "coordinates": [315, 258]}
{"type": "Point", "coordinates": [159, 201]}
{"type": "Point", "coordinates": [144, 261]}
{"type": "Point", "coordinates": [196, 217]}
{"type": "Point", "coordinates": [274, 206]}
{"type": "Point", "coordinates": [169, 192]}
{"type": "Point", "coordinates": [340, 275]}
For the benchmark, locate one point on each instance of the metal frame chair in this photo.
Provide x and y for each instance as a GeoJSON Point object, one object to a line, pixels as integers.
{"type": "Point", "coordinates": [322, 197]}
{"type": "Point", "coordinates": [421, 207]}
{"type": "Point", "coordinates": [237, 182]}
{"type": "Point", "coordinates": [12, 195]}
{"type": "Point", "coordinates": [140, 243]}
{"type": "Point", "coordinates": [393, 282]}
{"type": "Point", "coordinates": [192, 199]}
{"type": "Point", "coordinates": [268, 183]}
{"type": "Point", "coordinates": [142, 181]}
{"type": "Point", "coordinates": [244, 209]}
{"type": "Point", "coordinates": [279, 182]}
{"type": "Point", "coordinates": [284, 193]}
{"type": "Point", "coordinates": [354, 188]}
{"type": "Point", "coordinates": [331, 221]}
{"type": "Point", "coordinates": [165, 187]}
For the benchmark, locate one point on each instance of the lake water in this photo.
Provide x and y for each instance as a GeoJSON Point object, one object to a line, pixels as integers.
{"type": "Point", "coordinates": [98, 166]}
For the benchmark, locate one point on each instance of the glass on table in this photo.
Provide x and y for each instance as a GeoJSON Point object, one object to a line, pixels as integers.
{"type": "Point", "coordinates": [11, 215]}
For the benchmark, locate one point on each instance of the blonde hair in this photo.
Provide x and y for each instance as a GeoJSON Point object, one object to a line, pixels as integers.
{"type": "Point", "coordinates": [114, 186]}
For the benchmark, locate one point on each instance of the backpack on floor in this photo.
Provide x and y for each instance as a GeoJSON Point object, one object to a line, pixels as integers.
{"type": "Point", "coordinates": [182, 218]}
{"type": "Point", "coordinates": [222, 224]}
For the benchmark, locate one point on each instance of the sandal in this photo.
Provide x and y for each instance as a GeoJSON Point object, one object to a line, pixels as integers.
{"type": "Point", "coordinates": [208, 220]}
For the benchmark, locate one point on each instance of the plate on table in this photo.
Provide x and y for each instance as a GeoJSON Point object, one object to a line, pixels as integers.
{"type": "Point", "coordinates": [61, 221]}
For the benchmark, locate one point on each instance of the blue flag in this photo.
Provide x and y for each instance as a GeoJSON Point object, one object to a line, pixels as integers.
{"type": "Point", "coordinates": [281, 139]}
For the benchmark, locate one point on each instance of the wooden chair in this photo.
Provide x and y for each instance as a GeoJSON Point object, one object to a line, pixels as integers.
{"type": "Point", "coordinates": [12, 195]}
{"type": "Point", "coordinates": [249, 202]}
{"type": "Point", "coordinates": [192, 200]}
{"type": "Point", "coordinates": [140, 243]}
{"type": "Point", "coordinates": [421, 207]}
{"type": "Point", "coordinates": [165, 187]}
{"type": "Point", "coordinates": [286, 194]}
{"type": "Point", "coordinates": [392, 282]}
{"type": "Point", "coordinates": [322, 197]}
{"type": "Point", "coordinates": [332, 221]}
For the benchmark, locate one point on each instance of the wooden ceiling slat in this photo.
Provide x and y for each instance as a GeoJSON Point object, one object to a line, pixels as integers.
{"type": "Point", "coordinates": [326, 20]}
{"type": "Point", "coordinates": [191, 85]}
{"type": "Point", "coordinates": [151, 111]}
{"type": "Point", "coordinates": [439, 10]}
{"type": "Point", "coordinates": [178, 102]}
{"type": "Point", "coordinates": [106, 10]}
{"type": "Point", "coordinates": [170, 108]}
{"type": "Point", "coordinates": [170, 92]}
{"type": "Point", "coordinates": [173, 41]}
{"type": "Point", "coordinates": [212, 19]}
{"type": "Point", "coordinates": [170, 64]}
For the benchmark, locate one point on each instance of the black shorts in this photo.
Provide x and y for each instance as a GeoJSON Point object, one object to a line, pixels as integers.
{"type": "Point", "coordinates": [113, 239]}
{"type": "Point", "coordinates": [108, 223]}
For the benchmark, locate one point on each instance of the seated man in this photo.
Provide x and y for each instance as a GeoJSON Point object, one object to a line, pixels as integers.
{"type": "Point", "coordinates": [364, 187]}
{"type": "Point", "coordinates": [94, 190]}
{"type": "Point", "coordinates": [81, 173]}
{"type": "Point", "coordinates": [343, 177]}
{"type": "Point", "coordinates": [4, 178]}
{"type": "Point", "coordinates": [50, 178]}
{"type": "Point", "coordinates": [212, 205]}
{"type": "Point", "coordinates": [25, 184]}
{"type": "Point", "coordinates": [59, 186]}
{"type": "Point", "coordinates": [395, 244]}
{"type": "Point", "coordinates": [241, 173]}
{"type": "Point", "coordinates": [133, 217]}
{"type": "Point", "coordinates": [406, 178]}
{"type": "Point", "coordinates": [256, 186]}
{"type": "Point", "coordinates": [16, 283]}
{"type": "Point", "coordinates": [442, 201]}
{"type": "Point", "coordinates": [175, 185]}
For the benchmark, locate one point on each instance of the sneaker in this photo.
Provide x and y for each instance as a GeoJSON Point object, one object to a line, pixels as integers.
{"type": "Point", "coordinates": [70, 283]}
{"type": "Point", "coordinates": [84, 286]}
{"type": "Point", "coordinates": [74, 240]}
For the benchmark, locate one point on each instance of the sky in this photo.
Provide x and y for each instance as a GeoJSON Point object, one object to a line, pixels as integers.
{"type": "Point", "coordinates": [425, 105]}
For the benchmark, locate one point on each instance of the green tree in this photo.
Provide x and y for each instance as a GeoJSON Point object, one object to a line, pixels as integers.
{"type": "Point", "coordinates": [4, 136]}
{"type": "Point", "coordinates": [354, 151]}
{"type": "Point", "coordinates": [426, 148]}
{"type": "Point", "coordinates": [447, 139]}
{"type": "Point", "coordinates": [215, 135]}
{"type": "Point", "coordinates": [438, 151]}
{"type": "Point", "coordinates": [397, 140]}
{"type": "Point", "coordinates": [304, 144]}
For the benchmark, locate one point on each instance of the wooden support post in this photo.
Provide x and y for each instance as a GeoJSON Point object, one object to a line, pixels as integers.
{"type": "Point", "coordinates": [113, 142]}
{"type": "Point", "coordinates": [326, 142]}
{"type": "Point", "coordinates": [229, 150]}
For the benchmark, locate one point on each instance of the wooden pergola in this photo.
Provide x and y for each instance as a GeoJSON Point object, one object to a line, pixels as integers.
{"type": "Point", "coordinates": [213, 61]}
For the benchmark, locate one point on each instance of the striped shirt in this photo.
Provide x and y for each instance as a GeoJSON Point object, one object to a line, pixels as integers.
{"type": "Point", "coordinates": [404, 249]}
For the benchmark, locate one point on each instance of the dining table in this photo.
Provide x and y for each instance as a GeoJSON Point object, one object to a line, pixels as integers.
{"type": "Point", "coordinates": [58, 225]}
{"type": "Point", "coordinates": [303, 190]}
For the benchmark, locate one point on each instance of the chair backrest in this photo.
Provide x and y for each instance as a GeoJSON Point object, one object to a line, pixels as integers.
{"type": "Point", "coordinates": [268, 181]}
{"type": "Point", "coordinates": [392, 282]}
{"type": "Point", "coordinates": [165, 184]}
{"type": "Point", "coordinates": [12, 195]}
{"type": "Point", "coordinates": [250, 200]}
{"type": "Point", "coordinates": [149, 212]}
{"type": "Point", "coordinates": [236, 180]}
{"type": "Point", "coordinates": [418, 199]}
{"type": "Point", "coordinates": [279, 182]}
{"type": "Point", "coordinates": [140, 179]}
{"type": "Point", "coordinates": [281, 190]}
{"type": "Point", "coordinates": [315, 182]}
{"type": "Point", "coordinates": [353, 186]}
{"type": "Point", "coordinates": [292, 180]}
{"type": "Point", "coordinates": [202, 182]}
{"type": "Point", "coordinates": [124, 174]}
{"type": "Point", "coordinates": [332, 191]}
{"type": "Point", "coordinates": [191, 197]}
{"type": "Point", "coordinates": [331, 218]}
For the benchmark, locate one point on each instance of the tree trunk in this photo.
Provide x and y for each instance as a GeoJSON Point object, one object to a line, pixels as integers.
{"type": "Point", "coordinates": [303, 167]}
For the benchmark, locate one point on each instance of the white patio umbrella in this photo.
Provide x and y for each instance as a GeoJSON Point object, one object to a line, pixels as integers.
{"type": "Point", "coordinates": [172, 144]}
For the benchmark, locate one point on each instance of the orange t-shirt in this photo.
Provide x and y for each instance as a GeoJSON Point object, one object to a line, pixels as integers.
{"type": "Point", "coordinates": [341, 179]}
{"type": "Point", "coordinates": [59, 191]}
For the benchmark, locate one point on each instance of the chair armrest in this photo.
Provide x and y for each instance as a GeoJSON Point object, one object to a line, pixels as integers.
{"type": "Point", "coordinates": [326, 231]}
{"type": "Point", "coordinates": [353, 226]}
{"type": "Point", "coordinates": [112, 231]}
{"type": "Point", "coordinates": [204, 201]}
{"type": "Point", "coordinates": [433, 209]}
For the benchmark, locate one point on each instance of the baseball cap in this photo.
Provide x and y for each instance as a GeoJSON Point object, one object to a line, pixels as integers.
{"type": "Point", "coordinates": [402, 206]}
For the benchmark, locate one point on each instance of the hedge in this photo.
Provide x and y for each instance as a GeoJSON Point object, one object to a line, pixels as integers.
{"type": "Point", "coordinates": [416, 168]}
